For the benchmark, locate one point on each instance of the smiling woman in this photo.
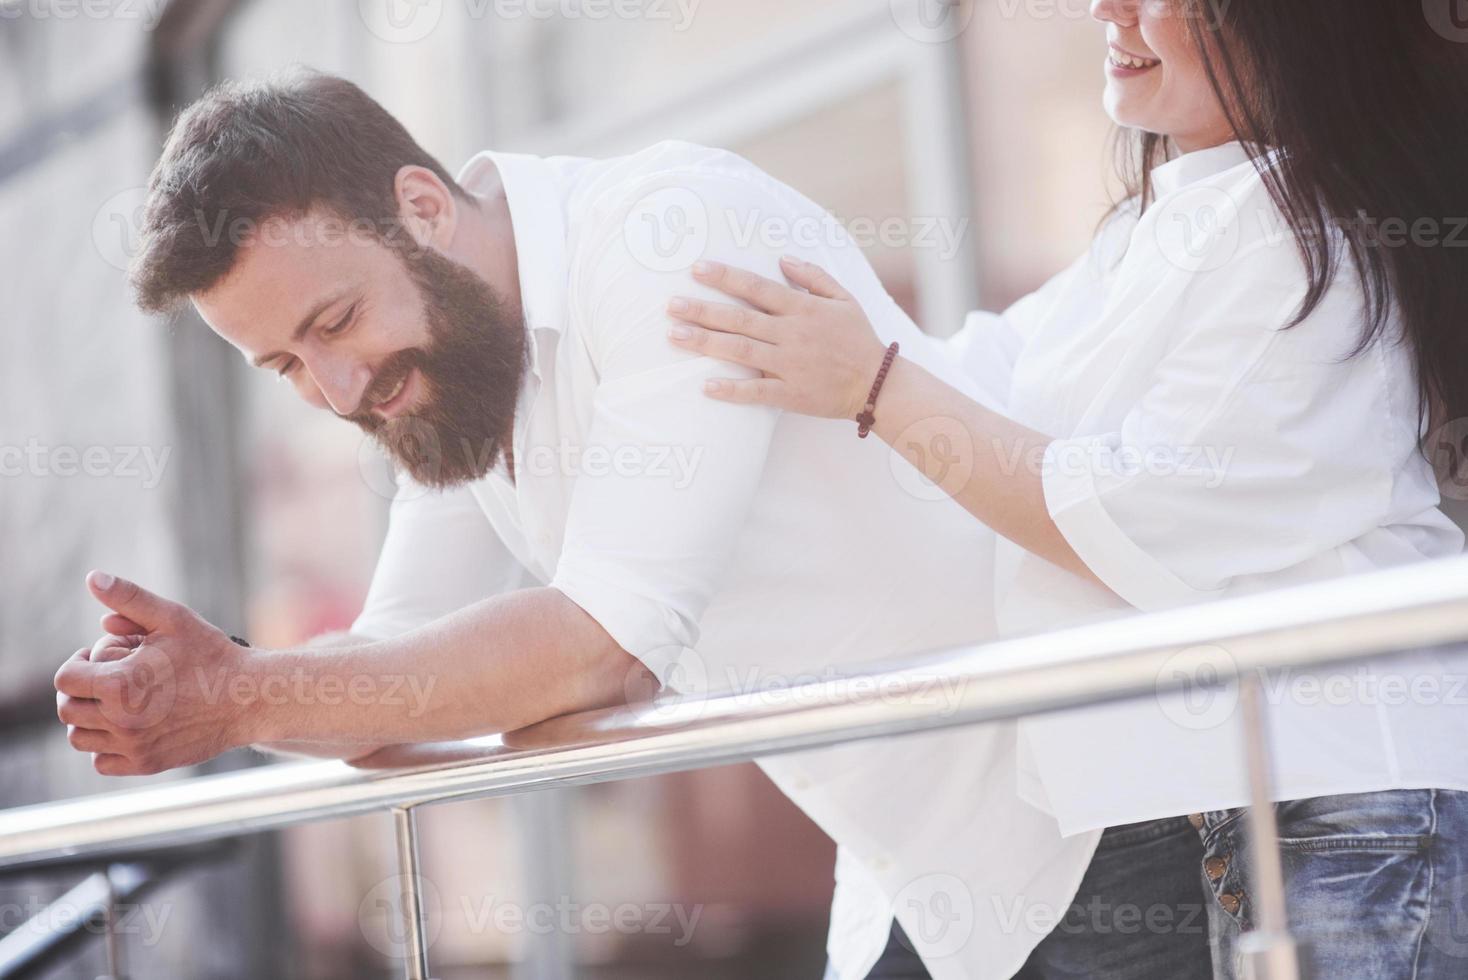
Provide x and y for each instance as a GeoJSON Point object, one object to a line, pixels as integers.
{"type": "Point", "coordinates": [1240, 305]}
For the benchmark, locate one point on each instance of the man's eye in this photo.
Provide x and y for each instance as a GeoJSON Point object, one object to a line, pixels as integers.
{"type": "Point", "coordinates": [284, 369]}
{"type": "Point", "coordinates": [341, 324]}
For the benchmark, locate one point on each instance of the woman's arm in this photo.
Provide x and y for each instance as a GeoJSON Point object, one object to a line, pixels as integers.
{"type": "Point", "coordinates": [988, 463]}
{"type": "Point", "coordinates": [819, 356]}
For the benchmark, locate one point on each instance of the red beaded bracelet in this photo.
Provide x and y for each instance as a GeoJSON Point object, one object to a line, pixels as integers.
{"type": "Point", "coordinates": [868, 418]}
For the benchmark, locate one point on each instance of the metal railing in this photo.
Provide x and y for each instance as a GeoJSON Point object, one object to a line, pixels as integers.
{"type": "Point", "coordinates": [1239, 639]}
{"type": "Point", "coordinates": [89, 909]}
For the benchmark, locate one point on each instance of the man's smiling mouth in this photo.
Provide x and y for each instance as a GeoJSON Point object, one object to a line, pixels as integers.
{"type": "Point", "coordinates": [393, 404]}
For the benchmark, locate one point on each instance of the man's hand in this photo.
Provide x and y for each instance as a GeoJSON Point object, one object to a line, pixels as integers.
{"type": "Point", "coordinates": [165, 689]}
{"type": "Point", "coordinates": [153, 693]}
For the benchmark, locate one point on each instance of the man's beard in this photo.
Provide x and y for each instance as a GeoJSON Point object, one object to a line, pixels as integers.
{"type": "Point", "coordinates": [471, 370]}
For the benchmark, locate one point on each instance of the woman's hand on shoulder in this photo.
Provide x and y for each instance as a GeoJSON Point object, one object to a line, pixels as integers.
{"type": "Point", "coordinates": [814, 347]}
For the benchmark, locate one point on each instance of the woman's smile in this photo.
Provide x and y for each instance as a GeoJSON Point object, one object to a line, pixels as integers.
{"type": "Point", "coordinates": [1123, 64]}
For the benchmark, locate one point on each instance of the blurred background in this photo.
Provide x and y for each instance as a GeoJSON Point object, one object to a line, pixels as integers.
{"type": "Point", "coordinates": [963, 143]}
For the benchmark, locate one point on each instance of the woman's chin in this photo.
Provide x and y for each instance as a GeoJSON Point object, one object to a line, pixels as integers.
{"type": "Point", "coordinates": [1122, 109]}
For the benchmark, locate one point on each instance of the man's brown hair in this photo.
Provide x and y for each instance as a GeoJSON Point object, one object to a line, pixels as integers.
{"type": "Point", "coordinates": [247, 152]}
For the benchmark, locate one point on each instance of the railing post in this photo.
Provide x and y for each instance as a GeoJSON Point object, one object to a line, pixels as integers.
{"type": "Point", "coordinates": [546, 849]}
{"type": "Point", "coordinates": [410, 899]}
{"type": "Point", "coordinates": [1268, 950]}
{"type": "Point", "coordinates": [109, 919]}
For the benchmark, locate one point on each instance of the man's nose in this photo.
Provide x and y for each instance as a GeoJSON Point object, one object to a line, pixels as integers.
{"type": "Point", "coordinates": [342, 382]}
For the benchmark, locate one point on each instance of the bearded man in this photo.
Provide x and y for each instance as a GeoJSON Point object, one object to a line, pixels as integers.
{"type": "Point", "coordinates": [503, 335]}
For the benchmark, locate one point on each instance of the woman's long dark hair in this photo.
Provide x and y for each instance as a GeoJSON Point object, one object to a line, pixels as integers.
{"type": "Point", "coordinates": [1368, 100]}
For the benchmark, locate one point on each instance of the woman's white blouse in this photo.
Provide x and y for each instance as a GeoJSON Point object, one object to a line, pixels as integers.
{"type": "Point", "coordinates": [1201, 451]}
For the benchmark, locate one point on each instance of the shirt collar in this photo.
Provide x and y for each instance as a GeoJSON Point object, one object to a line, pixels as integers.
{"type": "Point", "coordinates": [1198, 165]}
{"type": "Point", "coordinates": [538, 222]}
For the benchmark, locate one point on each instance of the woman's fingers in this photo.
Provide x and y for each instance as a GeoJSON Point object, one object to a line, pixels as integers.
{"type": "Point", "coordinates": [723, 316]}
{"type": "Point", "coordinates": [810, 276]}
{"type": "Point", "coordinates": [732, 347]}
{"type": "Point", "coordinates": [748, 391]}
{"type": "Point", "coordinates": [761, 293]}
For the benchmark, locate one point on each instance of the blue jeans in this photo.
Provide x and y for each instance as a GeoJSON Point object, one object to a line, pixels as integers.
{"type": "Point", "coordinates": [1140, 914]}
{"type": "Point", "coordinates": [1376, 889]}
{"type": "Point", "coordinates": [1376, 884]}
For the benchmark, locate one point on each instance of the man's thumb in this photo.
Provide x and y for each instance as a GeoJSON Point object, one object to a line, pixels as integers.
{"type": "Point", "coordinates": [131, 600]}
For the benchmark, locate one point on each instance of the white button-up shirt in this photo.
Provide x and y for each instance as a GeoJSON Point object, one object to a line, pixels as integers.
{"type": "Point", "coordinates": [1201, 451]}
{"type": "Point", "coordinates": [736, 548]}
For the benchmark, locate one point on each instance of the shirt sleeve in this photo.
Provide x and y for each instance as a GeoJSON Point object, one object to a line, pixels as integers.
{"type": "Point", "coordinates": [1256, 449]}
{"type": "Point", "coordinates": [440, 554]}
{"type": "Point", "coordinates": [988, 346]}
{"type": "Point", "coordinates": [647, 541]}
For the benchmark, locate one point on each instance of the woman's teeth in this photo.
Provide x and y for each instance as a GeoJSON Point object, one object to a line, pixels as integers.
{"type": "Point", "coordinates": [1122, 60]}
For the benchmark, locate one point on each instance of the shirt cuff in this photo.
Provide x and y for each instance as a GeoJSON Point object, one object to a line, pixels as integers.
{"type": "Point", "coordinates": [648, 630]}
{"type": "Point", "coordinates": [1074, 501]}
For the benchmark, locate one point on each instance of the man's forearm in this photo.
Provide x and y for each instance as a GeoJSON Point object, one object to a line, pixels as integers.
{"type": "Point", "coordinates": [324, 750]}
{"type": "Point", "coordinates": [498, 665]}
{"type": "Point", "coordinates": [345, 751]}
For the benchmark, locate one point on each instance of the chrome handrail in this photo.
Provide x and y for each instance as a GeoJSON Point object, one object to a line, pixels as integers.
{"type": "Point", "coordinates": [1344, 619]}
{"type": "Point", "coordinates": [1411, 607]}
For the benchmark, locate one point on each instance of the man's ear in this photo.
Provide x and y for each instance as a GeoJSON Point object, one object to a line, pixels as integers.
{"type": "Point", "coordinates": [426, 206]}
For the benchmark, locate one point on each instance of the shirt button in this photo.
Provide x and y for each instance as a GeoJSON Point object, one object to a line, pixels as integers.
{"type": "Point", "coordinates": [1196, 819]}
{"type": "Point", "coordinates": [1231, 903]}
{"type": "Point", "coordinates": [880, 864]}
{"type": "Point", "coordinates": [1214, 867]}
{"type": "Point", "coordinates": [802, 783]}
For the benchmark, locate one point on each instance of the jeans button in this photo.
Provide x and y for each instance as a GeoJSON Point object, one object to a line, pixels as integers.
{"type": "Point", "coordinates": [1231, 903]}
{"type": "Point", "coordinates": [1214, 867]}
